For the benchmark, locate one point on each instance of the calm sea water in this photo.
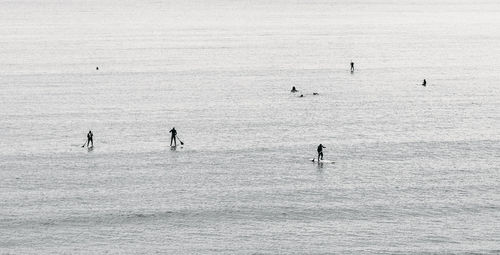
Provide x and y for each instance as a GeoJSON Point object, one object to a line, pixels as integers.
{"type": "Point", "coordinates": [417, 169]}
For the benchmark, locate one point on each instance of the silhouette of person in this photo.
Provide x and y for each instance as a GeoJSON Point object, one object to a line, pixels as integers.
{"type": "Point", "coordinates": [173, 137]}
{"type": "Point", "coordinates": [352, 66]}
{"type": "Point", "coordinates": [320, 151]}
{"type": "Point", "coordinates": [294, 89]}
{"type": "Point", "coordinates": [90, 139]}
{"type": "Point", "coordinates": [97, 68]}
{"type": "Point", "coordinates": [424, 83]}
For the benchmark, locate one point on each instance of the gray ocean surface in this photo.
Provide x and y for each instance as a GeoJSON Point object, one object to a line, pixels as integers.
{"type": "Point", "coordinates": [417, 168]}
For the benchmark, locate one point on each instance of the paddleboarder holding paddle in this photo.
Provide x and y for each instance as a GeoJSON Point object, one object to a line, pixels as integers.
{"type": "Point", "coordinates": [90, 139]}
{"type": "Point", "coordinates": [173, 137]}
{"type": "Point", "coordinates": [320, 151]}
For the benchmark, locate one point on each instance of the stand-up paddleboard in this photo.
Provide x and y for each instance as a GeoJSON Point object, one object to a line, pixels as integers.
{"type": "Point", "coordinates": [315, 160]}
{"type": "Point", "coordinates": [174, 148]}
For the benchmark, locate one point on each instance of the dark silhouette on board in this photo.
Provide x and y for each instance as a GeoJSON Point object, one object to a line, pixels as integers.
{"type": "Point", "coordinates": [320, 151]}
{"type": "Point", "coordinates": [352, 66]}
{"type": "Point", "coordinates": [424, 83]}
{"type": "Point", "coordinates": [294, 90]}
{"type": "Point", "coordinates": [315, 93]}
{"type": "Point", "coordinates": [173, 137]}
{"type": "Point", "coordinates": [90, 140]}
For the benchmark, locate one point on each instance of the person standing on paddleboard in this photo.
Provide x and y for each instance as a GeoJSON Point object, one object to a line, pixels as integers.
{"type": "Point", "coordinates": [173, 136]}
{"type": "Point", "coordinates": [320, 151]}
{"type": "Point", "coordinates": [352, 66]}
{"type": "Point", "coordinates": [90, 139]}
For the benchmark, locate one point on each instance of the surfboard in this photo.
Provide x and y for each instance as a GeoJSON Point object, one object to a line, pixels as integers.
{"type": "Point", "coordinates": [326, 161]}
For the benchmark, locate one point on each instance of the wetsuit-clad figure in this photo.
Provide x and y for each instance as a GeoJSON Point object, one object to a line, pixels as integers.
{"type": "Point", "coordinates": [320, 151]}
{"type": "Point", "coordinates": [173, 137]}
{"type": "Point", "coordinates": [424, 83]}
{"type": "Point", "coordinates": [293, 89]}
{"type": "Point", "coordinates": [90, 139]}
{"type": "Point", "coordinates": [352, 66]}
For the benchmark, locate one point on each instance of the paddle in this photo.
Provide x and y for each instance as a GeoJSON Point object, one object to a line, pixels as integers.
{"type": "Point", "coordinates": [84, 144]}
{"type": "Point", "coordinates": [180, 141]}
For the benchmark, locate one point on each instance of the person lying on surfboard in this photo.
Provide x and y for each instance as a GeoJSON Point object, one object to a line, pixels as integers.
{"type": "Point", "coordinates": [320, 151]}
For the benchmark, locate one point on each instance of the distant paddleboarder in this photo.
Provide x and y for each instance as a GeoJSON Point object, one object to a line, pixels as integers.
{"type": "Point", "coordinates": [97, 68]}
{"type": "Point", "coordinates": [173, 137]}
{"type": "Point", "coordinates": [294, 89]}
{"type": "Point", "coordinates": [424, 83]}
{"type": "Point", "coordinates": [320, 151]}
{"type": "Point", "coordinates": [90, 139]}
{"type": "Point", "coordinates": [352, 66]}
